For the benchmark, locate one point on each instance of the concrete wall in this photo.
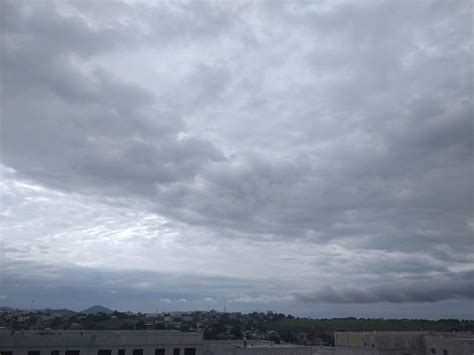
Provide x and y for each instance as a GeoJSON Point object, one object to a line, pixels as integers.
{"type": "Point", "coordinates": [452, 345]}
{"type": "Point", "coordinates": [354, 343]}
{"type": "Point", "coordinates": [88, 343]}
{"type": "Point", "coordinates": [404, 343]}
{"type": "Point", "coordinates": [323, 350]}
{"type": "Point", "coordinates": [253, 348]}
{"type": "Point", "coordinates": [303, 350]}
{"type": "Point", "coordinates": [228, 350]}
{"type": "Point", "coordinates": [373, 343]}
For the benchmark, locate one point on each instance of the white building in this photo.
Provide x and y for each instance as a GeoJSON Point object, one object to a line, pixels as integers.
{"type": "Point", "coordinates": [403, 343]}
{"type": "Point", "coordinates": [133, 342]}
{"type": "Point", "coordinates": [450, 344]}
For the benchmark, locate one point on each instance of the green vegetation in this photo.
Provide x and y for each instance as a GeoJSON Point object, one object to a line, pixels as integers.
{"type": "Point", "coordinates": [354, 324]}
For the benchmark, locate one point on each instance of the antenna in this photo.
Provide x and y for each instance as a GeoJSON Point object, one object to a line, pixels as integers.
{"type": "Point", "coordinates": [32, 303]}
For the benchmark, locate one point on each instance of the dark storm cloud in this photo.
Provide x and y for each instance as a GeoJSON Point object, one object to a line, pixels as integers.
{"type": "Point", "coordinates": [439, 287]}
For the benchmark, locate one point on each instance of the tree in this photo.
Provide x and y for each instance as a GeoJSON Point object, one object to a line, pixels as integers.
{"type": "Point", "coordinates": [56, 323]}
{"type": "Point", "coordinates": [288, 337]}
{"type": "Point", "coordinates": [236, 332]}
{"type": "Point", "coordinates": [275, 338]}
{"type": "Point", "coordinates": [126, 326]}
{"type": "Point", "coordinates": [140, 325]}
{"type": "Point", "coordinates": [159, 326]}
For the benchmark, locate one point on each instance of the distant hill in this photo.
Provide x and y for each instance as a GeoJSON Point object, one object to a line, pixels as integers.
{"type": "Point", "coordinates": [97, 309]}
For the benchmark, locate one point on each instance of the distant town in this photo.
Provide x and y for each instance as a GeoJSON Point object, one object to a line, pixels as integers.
{"type": "Point", "coordinates": [267, 326]}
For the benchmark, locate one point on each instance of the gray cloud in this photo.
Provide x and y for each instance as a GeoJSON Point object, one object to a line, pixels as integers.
{"type": "Point", "coordinates": [437, 288]}
{"type": "Point", "coordinates": [81, 124]}
{"type": "Point", "coordinates": [76, 287]}
{"type": "Point", "coordinates": [341, 127]}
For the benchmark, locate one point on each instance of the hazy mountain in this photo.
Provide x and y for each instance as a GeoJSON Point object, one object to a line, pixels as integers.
{"type": "Point", "coordinates": [97, 309]}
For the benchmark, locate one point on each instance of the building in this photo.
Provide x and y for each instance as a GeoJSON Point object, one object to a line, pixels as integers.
{"type": "Point", "coordinates": [450, 344]}
{"type": "Point", "coordinates": [253, 347]}
{"type": "Point", "coordinates": [403, 343]}
{"type": "Point", "coordinates": [131, 342]}
{"type": "Point", "coordinates": [169, 342]}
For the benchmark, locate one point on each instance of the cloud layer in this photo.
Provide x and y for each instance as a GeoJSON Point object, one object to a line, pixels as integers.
{"type": "Point", "coordinates": [322, 152]}
{"type": "Point", "coordinates": [439, 288]}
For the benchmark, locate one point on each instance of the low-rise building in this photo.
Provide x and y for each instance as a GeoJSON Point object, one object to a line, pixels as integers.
{"type": "Point", "coordinates": [167, 342]}
{"type": "Point", "coordinates": [134, 342]}
{"type": "Point", "coordinates": [452, 344]}
{"type": "Point", "coordinates": [403, 343]}
{"type": "Point", "coordinates": [157, 342]}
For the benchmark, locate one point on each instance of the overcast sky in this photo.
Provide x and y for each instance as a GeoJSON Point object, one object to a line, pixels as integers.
{"type": "Point", "coordinates": [306, 157]}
